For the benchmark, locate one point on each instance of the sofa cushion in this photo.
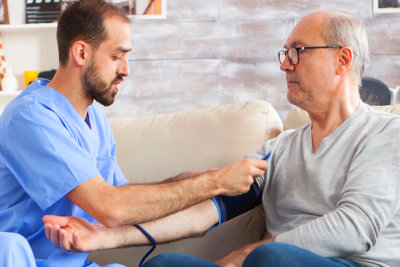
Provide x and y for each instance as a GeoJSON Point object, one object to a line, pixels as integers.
{"type": "Point", "coordinates": [152, 148]}
{"type": "Point", "coordinates": [298, 117]}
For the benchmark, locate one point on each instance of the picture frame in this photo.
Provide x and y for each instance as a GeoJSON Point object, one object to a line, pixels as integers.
{"type": "Point", "coordinates": [4, 12]}
{"type": "Point", "coordinates": [386, 6]}
{"type": "Point", "coordinates": [143, 9]}
{"type": "Point", "coordinates": [124, 4]}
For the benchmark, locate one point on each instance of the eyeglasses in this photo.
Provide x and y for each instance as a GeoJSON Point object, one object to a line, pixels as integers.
{"type": "Point", "coordinates": [293, 53]}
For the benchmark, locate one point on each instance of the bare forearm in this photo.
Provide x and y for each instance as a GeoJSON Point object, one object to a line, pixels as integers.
{"type": "Point", "coordinates": [190, 222]}
{"type": "Point", "coordinates": [77, 234]}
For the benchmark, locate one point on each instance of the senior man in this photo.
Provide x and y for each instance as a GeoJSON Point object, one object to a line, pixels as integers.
{"type": "Point", "coordinates": [331, 191]}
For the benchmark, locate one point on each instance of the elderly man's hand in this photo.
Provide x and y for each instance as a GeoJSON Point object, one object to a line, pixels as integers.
{"type": "Point", "coordinates": [237, 257]}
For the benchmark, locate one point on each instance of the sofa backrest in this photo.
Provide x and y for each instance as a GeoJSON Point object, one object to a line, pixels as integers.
{"type": "Point", "coordinates": [298, 117]}
{"type": "Point", "coordinates": [152, 148]}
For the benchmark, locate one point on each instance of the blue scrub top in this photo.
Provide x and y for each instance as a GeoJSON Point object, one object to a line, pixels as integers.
{"type": "Point", "coordinates": [46, 150]}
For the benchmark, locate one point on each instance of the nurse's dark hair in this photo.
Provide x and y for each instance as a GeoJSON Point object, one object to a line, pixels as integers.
{"type": "Point", "coordinates": [84, 20]}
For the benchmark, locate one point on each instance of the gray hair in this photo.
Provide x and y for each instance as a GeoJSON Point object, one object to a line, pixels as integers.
{"type": "Point", "coordinates": [343, 30]}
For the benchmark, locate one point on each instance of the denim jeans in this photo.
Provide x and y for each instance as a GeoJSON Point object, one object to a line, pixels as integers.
{"type": "Point", "coordinates": [269, 254]}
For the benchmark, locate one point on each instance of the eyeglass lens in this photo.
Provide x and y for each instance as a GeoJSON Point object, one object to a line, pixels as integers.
{"type": "Point", "coordinates": [292, 55]}
{"type": "Point", "coordinates": [281, 56]}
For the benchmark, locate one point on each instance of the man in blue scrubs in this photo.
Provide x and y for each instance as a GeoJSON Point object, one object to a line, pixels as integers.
{"type": "Point", "coordinates": [57, 151]}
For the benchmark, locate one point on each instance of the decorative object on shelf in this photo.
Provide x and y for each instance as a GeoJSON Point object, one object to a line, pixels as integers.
{"type": "Point", "coordinates": [30, 76]}
{"type": "Point", "coordinates": [3, 12]}
{"type": "Point", "coordinates": [2, 61]}
{"type": "Point", "coordinates": [47, 74]}
{"type": "Point", "coordinates": [9, 82]}
{"type": "Point", "coordinates": [42, 11]}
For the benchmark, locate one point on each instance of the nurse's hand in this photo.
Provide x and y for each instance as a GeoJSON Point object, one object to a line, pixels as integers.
{"type": "Point", "coordinates": [76, 234]}
{"type": "Point", "coordinates": [236, 179]}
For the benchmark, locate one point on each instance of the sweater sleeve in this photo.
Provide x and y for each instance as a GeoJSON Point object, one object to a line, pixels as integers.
{"type": "Point", "coordinates": [369, 201]}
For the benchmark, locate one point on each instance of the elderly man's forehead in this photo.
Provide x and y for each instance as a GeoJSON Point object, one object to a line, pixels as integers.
{"type": "Point", "coordinates": [304, 39]}
{"type": "Point", "coordinates": [297, 43]}
{"type": "Point", "coordinates": [305, 33]}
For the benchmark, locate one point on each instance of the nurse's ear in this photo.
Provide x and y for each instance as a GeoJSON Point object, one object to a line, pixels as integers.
{"type": "Point", "coordinates": [80, 52]}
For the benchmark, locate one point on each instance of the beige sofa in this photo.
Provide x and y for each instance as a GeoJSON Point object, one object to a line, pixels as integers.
{"type": "Point", "coordinates": [156, 147]}
{"type": "Point", "coordinates": [150, 149]}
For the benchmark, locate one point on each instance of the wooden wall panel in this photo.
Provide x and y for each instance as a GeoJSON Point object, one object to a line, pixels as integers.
{"type": "Point", "coordinates": [159, 78]}
{"type": "Point", "coordinates": [193, 10]}
{"type": "Point", "coordinates": [158, 86]}
{"type": "Point", "coordinates": [276, 10]}
{"type": "Point", "coordinates": [212, 52]}
{"type": "Point", "coordinates": [206, 39]}
{"type": "Point", "coordinates": [171, 40]}
{"type": "Point", "coordinates": [254, 78]}
{"type": "Point", "coordinates": [385, 68]}
{"type": "Point", "coordinates": [255, 39]}
{"type": "Point", "coordinates": [384, 34]}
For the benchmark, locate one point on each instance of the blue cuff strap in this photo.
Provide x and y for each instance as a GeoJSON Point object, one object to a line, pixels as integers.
{"type": "Point", "coordinates": [152, 240]}
{"type": "Point", "coordinates": [230, 207]}
{"type": "Point", "coordinates": [219, 214]}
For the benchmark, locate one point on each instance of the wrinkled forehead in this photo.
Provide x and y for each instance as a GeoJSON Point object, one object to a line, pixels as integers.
{"type": "Point", "coordinates": [307, 32]}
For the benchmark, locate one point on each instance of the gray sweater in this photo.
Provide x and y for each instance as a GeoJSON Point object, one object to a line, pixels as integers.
{"type": "Point", "coordinates": [344, 199]}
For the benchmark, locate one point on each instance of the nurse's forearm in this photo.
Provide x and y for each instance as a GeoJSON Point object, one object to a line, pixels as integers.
{"type": "Point", "coordinates": [134, 204]}
{"type": "Point", "coordinates": [149, 202]}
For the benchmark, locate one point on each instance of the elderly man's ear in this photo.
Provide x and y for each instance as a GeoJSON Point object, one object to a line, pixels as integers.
{"type": "Point", "coordinates": [345, 60]}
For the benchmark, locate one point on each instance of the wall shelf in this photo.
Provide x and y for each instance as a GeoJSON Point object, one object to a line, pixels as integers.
{"type": "Point", "coordinates": [13, 93]}
{"type": "Point", "coordinates": [27, 27]}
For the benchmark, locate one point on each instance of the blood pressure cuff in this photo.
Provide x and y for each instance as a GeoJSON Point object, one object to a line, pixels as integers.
{"type": "Point", "coordinates": [230, 207]}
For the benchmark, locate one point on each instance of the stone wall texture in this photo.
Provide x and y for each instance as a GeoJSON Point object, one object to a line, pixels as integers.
{"type": "Point", "coordinates": [214, 52]}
